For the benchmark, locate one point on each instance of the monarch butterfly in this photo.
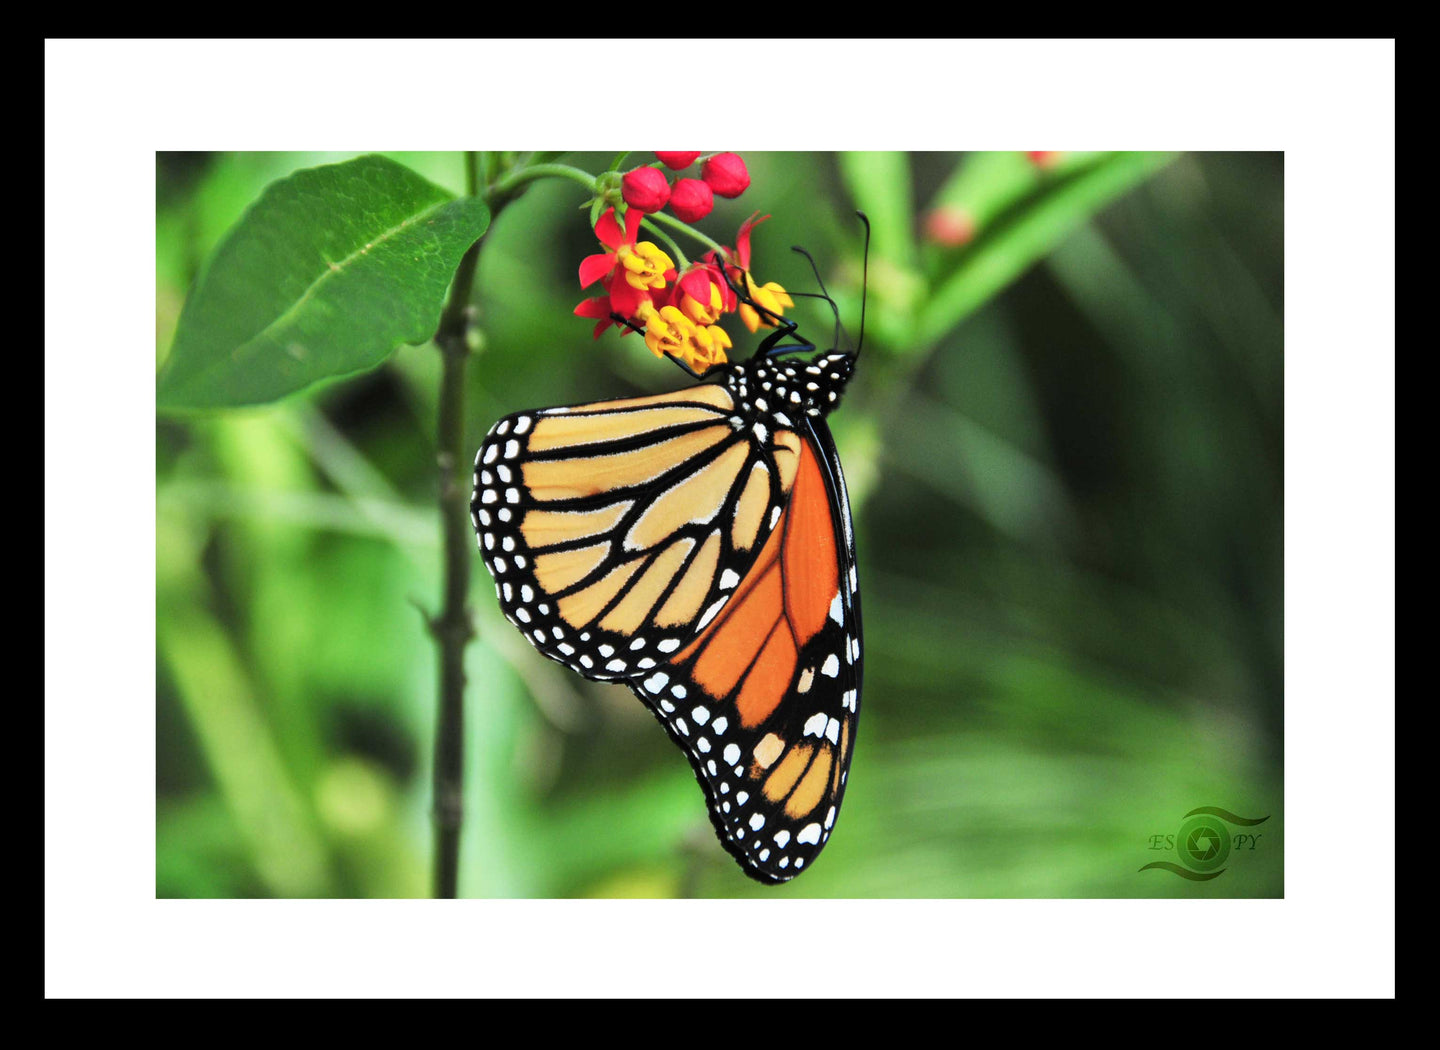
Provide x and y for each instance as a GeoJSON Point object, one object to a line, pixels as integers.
{"type": "Point", "coordinates": [698, 546]}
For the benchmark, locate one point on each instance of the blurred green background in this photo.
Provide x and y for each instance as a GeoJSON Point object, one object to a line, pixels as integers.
{"type": "Point", "coordinates": [1064, 446]}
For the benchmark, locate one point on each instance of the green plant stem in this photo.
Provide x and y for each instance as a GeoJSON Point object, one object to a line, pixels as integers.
{"type": "Point", "coordinates": [684, 227]}
{"type": "Point", "coordinates": [680, 260]}
{"type": "Point", "coordinates": [505, 187]}
{"type": "Point", "coordinates": [453, 627]}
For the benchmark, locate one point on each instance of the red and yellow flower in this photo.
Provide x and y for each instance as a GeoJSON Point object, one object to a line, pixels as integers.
{"type": "Point", "coordinates": [678, 314]}
{"type": "Point", "coordinates": [631, 273]}
{"type": "Point", "coordinates": [669, 331]}
{"type": "Point", "coordinates": [769, 295]}
{"type": "Point", "coordinates": [702, 295]}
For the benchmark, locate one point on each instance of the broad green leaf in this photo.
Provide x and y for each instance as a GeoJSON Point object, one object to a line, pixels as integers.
{"type": "Point", "coordinates": [1027, 230]}
{"type": "Point", "coordinates": [325, 275]}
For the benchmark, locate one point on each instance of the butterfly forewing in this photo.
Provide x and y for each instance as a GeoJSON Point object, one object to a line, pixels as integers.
{"type": "Point", "coordinates": [617, 530]}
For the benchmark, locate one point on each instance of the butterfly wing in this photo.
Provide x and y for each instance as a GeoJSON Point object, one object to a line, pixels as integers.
{"type": "Point", "coordinates": [617, 530]}
{"type": "Point", "coordinates": [765, 700]}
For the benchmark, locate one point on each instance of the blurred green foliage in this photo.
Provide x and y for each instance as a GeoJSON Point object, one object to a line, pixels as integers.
{"type": "Point", "coordinates": [1065, 455]}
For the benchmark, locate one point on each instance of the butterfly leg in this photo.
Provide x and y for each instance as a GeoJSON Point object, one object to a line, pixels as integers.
{"type": "Point", "coordinates": [636, 328]}
{"type": "Point", "coordinates": [770, 346]}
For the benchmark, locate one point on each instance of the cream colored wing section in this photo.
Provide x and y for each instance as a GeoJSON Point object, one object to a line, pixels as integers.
{"type": "Point", "coordinates": [617, 530]}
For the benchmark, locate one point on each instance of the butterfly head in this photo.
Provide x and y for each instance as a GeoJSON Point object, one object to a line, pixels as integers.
{"type": "Point", "coordinates": [770, 384]}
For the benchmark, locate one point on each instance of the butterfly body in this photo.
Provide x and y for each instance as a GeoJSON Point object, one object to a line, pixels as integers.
{"type": "Point", "coordinates": [698, 546]}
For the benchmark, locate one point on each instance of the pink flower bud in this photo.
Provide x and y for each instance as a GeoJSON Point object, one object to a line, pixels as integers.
{"type": "Point", "coordinates": [691, 200]}
{"type": "Point", "coordinates": [726, 175]}
{"type": "Point", "coordinates": [949, 226]}
{"type": "Point", "coordinates": [645, 189]}
{"type": "Point", "coordinates": [676, 160]}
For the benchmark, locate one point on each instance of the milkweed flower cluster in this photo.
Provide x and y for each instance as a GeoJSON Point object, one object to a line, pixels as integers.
{"type": "Point", "coordinates": [677, 306]}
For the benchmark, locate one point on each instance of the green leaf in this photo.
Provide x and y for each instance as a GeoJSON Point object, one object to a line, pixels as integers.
{"type": "Point", "coordinates": [1025, 231]}
{"type": "Point", "coordinates": [879, 183]}
{"type": "Point", "coordinates": [328, 272]}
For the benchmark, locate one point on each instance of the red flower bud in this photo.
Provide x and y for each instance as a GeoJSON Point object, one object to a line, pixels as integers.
{"type": "Point", "coordinates": [691, 200]}
{"type": "Point", "coordinates": [645, 189]}
{"type": "Point", "coordinates": [726, 175]}
{"type": "Point", "coordinates": [676, 160]}
{"type": "Point", "coordinates": [949, 226]}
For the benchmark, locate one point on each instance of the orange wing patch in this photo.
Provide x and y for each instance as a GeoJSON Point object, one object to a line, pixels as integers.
{"type": "Point", "coordinates": [776, 666]}
{"type": "Point", "coordinates": [783, 603]}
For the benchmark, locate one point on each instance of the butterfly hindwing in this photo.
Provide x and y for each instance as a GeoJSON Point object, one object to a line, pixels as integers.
{"type": "Point", "coordinates": [764, 701]}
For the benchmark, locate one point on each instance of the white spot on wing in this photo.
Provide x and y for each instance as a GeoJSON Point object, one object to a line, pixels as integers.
{"type": "Point", "coordinates": [710, 614]}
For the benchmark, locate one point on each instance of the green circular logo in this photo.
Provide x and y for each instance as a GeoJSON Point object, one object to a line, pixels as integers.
{"type": "Point", "coordinates": [1203, 843]}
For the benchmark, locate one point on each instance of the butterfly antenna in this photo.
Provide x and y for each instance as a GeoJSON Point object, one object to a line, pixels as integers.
{"type": "Point", "coordinates": [864, 281]}
{"type": "Point", "coordinates": [825, 294]}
